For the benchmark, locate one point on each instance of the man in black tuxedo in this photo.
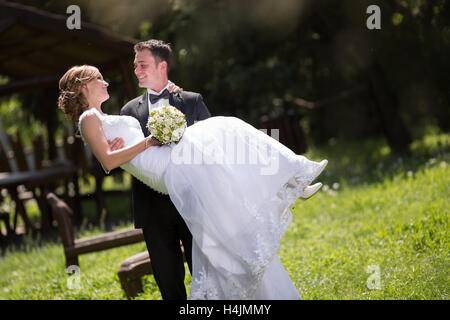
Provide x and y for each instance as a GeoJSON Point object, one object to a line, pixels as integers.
{"type": "Point", "coordinates": [162, 225]}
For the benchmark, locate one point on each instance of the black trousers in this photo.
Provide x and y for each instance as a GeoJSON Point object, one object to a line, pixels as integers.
{"type": "Point", "coordinates": [162, 238]}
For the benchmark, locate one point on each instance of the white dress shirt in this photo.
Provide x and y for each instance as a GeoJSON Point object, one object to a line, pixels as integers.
{"type": "Point", "coordinates": [160, 102]}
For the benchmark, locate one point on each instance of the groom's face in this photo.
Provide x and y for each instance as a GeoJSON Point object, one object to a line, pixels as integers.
{"type": "Point", "coordinates": [146, 69]}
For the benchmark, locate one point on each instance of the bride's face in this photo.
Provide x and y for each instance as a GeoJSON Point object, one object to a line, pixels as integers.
{"type": "Point", "coordinates": [97, 90]}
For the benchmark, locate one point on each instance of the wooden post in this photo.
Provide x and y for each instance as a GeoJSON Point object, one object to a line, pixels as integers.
{"type": "Point", "coordinates": [128, 82]}
{"type": "Point", "coordinates": [50, 111]}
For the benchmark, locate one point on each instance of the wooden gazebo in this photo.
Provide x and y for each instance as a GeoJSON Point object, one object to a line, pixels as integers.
{"type": "Point", "coordinates": [36, 48]}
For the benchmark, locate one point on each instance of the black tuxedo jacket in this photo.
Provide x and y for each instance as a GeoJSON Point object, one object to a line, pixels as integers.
{"type": "Point", "coordinates": [145, 200]}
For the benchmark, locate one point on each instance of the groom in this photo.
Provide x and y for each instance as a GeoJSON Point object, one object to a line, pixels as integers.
{"type": "Point", "coordinates": [162, 225]}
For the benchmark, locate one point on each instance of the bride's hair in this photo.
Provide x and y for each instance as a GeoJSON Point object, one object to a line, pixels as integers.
{"type": "Point", "coordinates": [71, 100]}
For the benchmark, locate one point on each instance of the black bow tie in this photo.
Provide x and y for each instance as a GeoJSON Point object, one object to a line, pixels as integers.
{"type": "Point", "coordinates": [164, 95]}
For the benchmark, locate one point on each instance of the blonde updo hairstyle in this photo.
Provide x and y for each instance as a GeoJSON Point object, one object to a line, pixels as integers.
{"type": "Point", "coordinates": [71, 99]}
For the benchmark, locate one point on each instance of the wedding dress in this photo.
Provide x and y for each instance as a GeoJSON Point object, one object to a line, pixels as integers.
{"type": "Point", "coordinates": [233, 185]}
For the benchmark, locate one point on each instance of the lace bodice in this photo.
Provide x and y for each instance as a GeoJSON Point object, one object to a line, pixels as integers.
{"type": "Point", "coordinates": [148, 166]}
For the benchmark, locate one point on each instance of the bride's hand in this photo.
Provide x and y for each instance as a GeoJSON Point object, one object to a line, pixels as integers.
{"type": "Point", "coordinates": [173, 88]}
{"type": "Point", "coordinates": [116, 144]}
{"type": "Point", "coordinates": [152, 142]}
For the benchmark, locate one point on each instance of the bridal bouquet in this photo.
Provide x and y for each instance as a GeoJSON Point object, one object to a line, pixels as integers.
{"type": "Point", "coordinates": [166, 124]}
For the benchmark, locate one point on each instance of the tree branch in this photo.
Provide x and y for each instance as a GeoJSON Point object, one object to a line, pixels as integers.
{"type": "Point", "coordinates": [327, 101]}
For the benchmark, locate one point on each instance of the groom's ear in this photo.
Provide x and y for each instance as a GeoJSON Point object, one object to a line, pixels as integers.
{"type": "Point", "coordinates": [163, 66]}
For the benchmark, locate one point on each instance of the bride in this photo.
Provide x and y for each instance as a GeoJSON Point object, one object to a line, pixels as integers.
{"type": "Point", "coordinates": [232, 184]}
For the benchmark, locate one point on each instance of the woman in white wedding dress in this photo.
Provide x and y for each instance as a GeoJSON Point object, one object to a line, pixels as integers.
{"type": "Point", "coordinates": [232, 184]}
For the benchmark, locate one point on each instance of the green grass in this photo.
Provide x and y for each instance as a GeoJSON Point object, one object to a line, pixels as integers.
{"type": "Point", "coordinates": [376, 210]}
{"type": "Point", "coordinates": [400, 225]}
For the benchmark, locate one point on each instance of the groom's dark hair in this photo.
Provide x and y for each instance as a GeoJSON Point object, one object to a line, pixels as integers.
{"type": "Point", "coordinates": [160, 50]}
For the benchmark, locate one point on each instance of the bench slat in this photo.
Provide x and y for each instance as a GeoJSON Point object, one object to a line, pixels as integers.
{"type": "Point", "coordinates": [105, 241]}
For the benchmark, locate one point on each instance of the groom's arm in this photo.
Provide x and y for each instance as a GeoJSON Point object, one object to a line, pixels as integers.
{"type": "Point", "coordinates": [128, 108]}
{"type": "Point", "coordinates": [202, 111]}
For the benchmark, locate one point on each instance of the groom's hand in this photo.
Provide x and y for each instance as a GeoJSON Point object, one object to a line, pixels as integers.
{"type": "Point", "coordinates": [116, 144]}
{"type": "Point", "coordinates": [173, 88]}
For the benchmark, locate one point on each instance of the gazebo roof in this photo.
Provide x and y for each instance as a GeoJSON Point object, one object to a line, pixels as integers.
{"type": "Point", "coordinates": [36, 48]}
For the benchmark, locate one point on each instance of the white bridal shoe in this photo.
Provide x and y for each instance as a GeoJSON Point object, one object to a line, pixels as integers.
{"type": "Point", "coordinates": [322, 166]}
{"type": "Point", "coordinates": [309, 191]}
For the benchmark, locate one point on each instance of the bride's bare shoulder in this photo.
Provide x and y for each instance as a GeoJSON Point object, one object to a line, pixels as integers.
{"type": "Point", "coordinates": [89, 116]}
{"type": "Point", "coordinates": [90, 113]}
{"type": "Point", "coordinates": [89, 121]}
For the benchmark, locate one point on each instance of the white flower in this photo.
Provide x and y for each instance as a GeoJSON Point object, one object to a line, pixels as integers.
{"type": "Point", "coordinates": [177, 133]}
{"type": "Point", "coordinates": [167, 124]}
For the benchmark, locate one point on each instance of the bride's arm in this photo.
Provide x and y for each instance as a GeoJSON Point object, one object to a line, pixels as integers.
{"type": "Point", "coordinates": [92, 131]}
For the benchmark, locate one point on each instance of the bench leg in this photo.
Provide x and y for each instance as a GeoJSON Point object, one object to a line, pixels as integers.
{"type": "Point", "coordinates": [132, 287]}
{"type": "Point", "coordinates": [71, 261]}
{"type": "Point", "coordinates": [9, 231]}
{"type": "Point", "coordinates": [20, 209]}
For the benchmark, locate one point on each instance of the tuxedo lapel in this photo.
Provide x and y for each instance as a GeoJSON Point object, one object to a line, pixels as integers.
{"type": "Point", "coordinates": [176, 100]}
{"type": "Point", "coordinates": [143, 112]}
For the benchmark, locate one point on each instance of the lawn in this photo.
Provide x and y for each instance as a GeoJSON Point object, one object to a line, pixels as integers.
{"type": "Point", "coordinates": [377, 230]}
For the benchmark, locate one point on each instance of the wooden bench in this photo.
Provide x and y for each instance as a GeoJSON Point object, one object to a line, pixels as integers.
{"type": "Point", "coordinates": [74, 247]}
{"type": "Point", "coordinates": [131, 271]}
{"type": "Point", "coordinates": [26, 176]}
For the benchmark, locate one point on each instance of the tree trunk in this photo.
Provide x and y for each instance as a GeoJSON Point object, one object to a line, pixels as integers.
{"type": "Point", "coordinates": [386, 103]}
